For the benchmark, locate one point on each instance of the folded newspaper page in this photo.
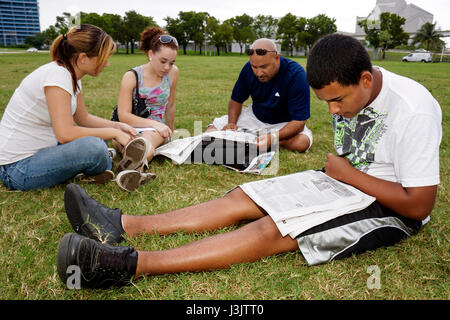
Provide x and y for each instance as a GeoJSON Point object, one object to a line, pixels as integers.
{"type": "Point", "coordinates": [302, 200]}
{"type": "Point", "coordinates": [180, 151]}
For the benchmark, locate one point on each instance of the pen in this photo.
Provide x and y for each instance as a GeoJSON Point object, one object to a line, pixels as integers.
{"type": "Point", "coordinates": [340, 156]}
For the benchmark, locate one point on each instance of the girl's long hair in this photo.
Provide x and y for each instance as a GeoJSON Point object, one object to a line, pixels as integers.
{"type": "Point", "coordinates": [83, 38]}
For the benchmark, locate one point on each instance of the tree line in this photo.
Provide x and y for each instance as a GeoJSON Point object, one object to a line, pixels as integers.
{"type": "Point", "coordinates": [125, 30]}
{"type": "Point", "coordinates": [200, 28]}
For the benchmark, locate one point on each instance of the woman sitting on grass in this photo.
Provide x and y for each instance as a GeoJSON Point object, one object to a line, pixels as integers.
{"type": "Point", "coordinates": [157, 82]}
{"type": "Point", "coordinates": [40, 146]}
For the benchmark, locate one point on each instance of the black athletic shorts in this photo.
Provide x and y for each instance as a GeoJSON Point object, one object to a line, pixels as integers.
{"type": "Point", "coordinates": [354, 233]}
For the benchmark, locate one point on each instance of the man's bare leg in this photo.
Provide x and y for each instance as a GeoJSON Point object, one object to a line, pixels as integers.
{"type": "Point", "coordinates": [231, 209]}
{"type": "Point", "coordinates": [299, 142]}
{"type": "Point", "coordinates": [252, 242]}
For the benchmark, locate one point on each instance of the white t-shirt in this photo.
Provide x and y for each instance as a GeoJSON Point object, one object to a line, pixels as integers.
{"type": "Point", "coordinates": [397, 136]}
{"type": "Point", "coordinates": [26, 127]}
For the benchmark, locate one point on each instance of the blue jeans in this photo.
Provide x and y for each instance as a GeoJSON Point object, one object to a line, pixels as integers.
{"type": "Point", "coordinates": [55, 165]}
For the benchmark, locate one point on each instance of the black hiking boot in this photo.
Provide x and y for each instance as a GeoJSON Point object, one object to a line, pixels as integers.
{"type": "Point", "coordinates": [100, 265]}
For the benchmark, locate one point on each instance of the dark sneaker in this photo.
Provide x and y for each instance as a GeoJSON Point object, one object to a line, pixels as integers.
{"type": "Point", "coordinates": [90, 218]}
{"type": "Point", "coordinates": [134, 155]}
{"type": "Point", "coordinates": [130, 180]}
{"type": "Point", "coordinates": [100, 265]}
{"type": "Point", "coordinates": [101, 178]}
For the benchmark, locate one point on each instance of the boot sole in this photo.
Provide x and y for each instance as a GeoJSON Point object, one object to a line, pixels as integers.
{"type": "Point", "coordinates": [130, 180]}
{"type": "Point", "coordinates": [135, 155]}
{"type": "Point", "coordinates": [103, 178]}
{"type": "Point", "coordinates": [67, 252]}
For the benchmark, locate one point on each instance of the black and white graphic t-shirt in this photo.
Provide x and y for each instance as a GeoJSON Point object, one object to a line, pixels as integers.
{"type": "Point", "coordinates": [397, 136]}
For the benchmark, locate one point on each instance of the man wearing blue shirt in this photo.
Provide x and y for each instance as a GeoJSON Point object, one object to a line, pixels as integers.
{"type": "Point", "coordinates": [280, 99]}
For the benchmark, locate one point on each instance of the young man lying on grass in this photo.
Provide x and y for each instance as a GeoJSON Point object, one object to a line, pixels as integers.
{"type": "Point", "coordinates": [391, 126]}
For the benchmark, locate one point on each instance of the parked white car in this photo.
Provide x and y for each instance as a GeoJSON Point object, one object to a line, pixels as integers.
{"type": "Point", "coordinates": [32, 50]}
{"type": "Point", "coordinates": [418, 56]}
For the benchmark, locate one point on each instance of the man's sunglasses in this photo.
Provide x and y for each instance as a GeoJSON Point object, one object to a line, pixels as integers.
{"type": "Point", "coordinates": [259, 52]}
{"type": "Point", "coordinates": [165, 38]}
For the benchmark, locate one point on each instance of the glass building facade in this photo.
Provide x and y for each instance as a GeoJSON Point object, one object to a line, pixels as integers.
{"type": "Point", "coordinates": [19, 19]}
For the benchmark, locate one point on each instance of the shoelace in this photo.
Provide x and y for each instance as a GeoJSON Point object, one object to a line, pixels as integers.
{"type": "Point", "coordinates": [114, 262]}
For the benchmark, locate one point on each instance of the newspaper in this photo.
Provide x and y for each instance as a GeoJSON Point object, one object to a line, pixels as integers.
{"type": "Point", "coordinates": [300, 201]}
{"type": "Point", "coordinates": [258, 163]}
{"type": "Point", "coordinates": [181, 150]}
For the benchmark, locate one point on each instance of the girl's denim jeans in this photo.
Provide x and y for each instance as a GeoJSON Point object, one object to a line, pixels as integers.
{"type": "Point", "coordinates": [55, 165]}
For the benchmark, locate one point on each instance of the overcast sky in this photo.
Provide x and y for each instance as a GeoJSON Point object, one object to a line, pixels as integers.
{"type": "Point", "coordinates": [344, 11]}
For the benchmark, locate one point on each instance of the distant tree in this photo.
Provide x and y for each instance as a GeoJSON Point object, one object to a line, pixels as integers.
{"type": "Point", "coordinates": [113, 25]}
{"type": "Point", "coordinates": [386, 33]}
{"type": "Point", "coordinates": [297, 32]}
{"type": "Point", "coordinates": [42, 39]}
{"type": "Point", "coordinates": [226, 35]}
{"type": "Point", "coordinates": [198, 25]}
{"type": "Point", "coordinates": [218, 34]}
{"type": "Point", "coordinates": [134, 24]}
{"type": "Point", "coordinates": [394, 35]}
{"type": "Point", "coordinates": [175, 27]}
{"type": "Point", "coordinates": [428, 37]}
{"type": "Point", "coordinates": [304, 37]}
{"type": "Point", "coordinates": [319, 26]}
{"type": "Point", "coordinates": [243, 32]}
{"type": "Point", "coordinates": [50, 35]}
{"type": "Point", "coordinates": [265, 26]}
{"type": "Point", "coordinates": [288, 28]}
{"type": "Point", "coordinates": [211, 32]}
{"type": "Point", "coordinates": [36, 41]}
{"type": "Point", "coordinates": [189, 26]}
{"type": "Point", "coordinates": [93, 18]}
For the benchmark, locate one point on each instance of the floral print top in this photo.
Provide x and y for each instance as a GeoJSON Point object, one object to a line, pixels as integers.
{"type": "Point", "coordinates": [156, 98]}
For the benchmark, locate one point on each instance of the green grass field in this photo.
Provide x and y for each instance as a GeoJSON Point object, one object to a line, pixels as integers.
{"type": "Point", "coordinates": [32, 223]}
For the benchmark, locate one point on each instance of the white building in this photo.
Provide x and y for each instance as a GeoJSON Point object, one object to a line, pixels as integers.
{"type": "Point", "coordinates": [415, 17]}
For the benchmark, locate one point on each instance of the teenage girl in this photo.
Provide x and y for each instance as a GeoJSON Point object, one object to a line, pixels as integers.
{"type": "Point", "coordinates": [40, 145]}
{"type": "Point", "coordinates": [157, 85]}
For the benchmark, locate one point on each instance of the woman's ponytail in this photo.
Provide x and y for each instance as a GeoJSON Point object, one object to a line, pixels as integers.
{"type": "Point", "coordinates": [63, 53]}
